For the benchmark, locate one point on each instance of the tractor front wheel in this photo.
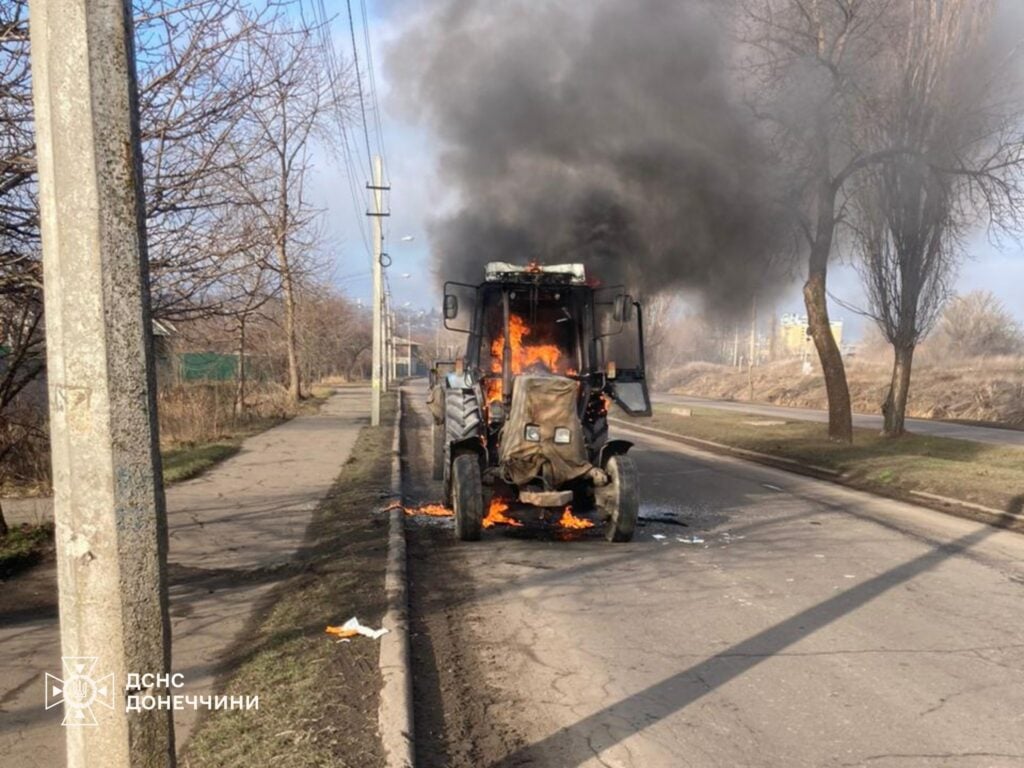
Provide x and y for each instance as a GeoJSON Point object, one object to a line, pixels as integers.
{"type": "Point", "coordinates": [620, 499]}
{"type": "Point", "coordinates": [467, 497]}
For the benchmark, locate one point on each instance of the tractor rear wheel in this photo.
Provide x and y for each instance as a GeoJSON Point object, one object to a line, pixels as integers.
{"type": "Point", "coordinates": [620, 499]}
{"type": "Point", "coordinates": [467, 497]}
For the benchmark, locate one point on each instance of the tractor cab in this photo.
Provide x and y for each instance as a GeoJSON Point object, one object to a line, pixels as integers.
{"type": "Point", "coordinates": [547, 353]}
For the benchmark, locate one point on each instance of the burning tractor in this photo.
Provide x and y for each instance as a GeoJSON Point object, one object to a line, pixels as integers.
{"type": "Point", "coordinates": [526, 411]}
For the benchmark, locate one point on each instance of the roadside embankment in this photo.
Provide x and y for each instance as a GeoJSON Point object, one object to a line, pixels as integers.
{"type": "Point", "coordinates": [986, 390]}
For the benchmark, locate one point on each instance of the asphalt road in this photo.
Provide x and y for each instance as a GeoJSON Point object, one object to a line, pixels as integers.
{"type": "Point", "coordinates": [979, 434]}
{"type": "Point", "coordinates": [813, 626]}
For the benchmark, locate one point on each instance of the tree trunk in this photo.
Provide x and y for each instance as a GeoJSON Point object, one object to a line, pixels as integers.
{"type": "Point", "coordinates": [895, 407]}
{"type": "Point", "coordinates": [291, 340]}
{"type": "Point", "coordinates": [240, 379]}
{"type": "Point", "coordinates": [3, 522]}
{"type": "Point", "coordinates": [840, 419]}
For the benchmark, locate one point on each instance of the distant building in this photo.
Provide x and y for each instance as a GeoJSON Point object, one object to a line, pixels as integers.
{"type": "Point", "coordinates": [795, 338]}
{"type": "Point", "coordinates": [408, 361]}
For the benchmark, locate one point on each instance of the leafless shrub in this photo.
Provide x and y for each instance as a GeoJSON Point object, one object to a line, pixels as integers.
{"type": "Point", "coordinates": [977, 324]}
{"type": "Point", "coordinates": [202, 412]}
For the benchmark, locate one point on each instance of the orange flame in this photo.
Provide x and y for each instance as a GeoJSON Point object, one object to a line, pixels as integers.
{"type": "Point", "coordinates": [496, 515]}
{"type": "Point", "coordinates": [523, 357]}
{"type": "Point", "coordinates": [569, 520]}
{"type": "Point", "coordinates": [430, 510]}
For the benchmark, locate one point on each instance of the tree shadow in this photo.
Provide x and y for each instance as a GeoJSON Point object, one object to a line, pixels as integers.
{"type": "Point", "coordinates": [616, 722]}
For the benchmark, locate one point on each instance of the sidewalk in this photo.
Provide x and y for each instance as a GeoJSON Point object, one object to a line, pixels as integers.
{"type": "Point", "coordinates": [233, 532]}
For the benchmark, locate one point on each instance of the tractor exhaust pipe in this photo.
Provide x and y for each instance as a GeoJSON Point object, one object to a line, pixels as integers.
{"type": "Point", "coordinates": [506, 352]}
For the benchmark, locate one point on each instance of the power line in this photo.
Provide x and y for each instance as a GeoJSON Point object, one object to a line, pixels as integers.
{"type": "Point", "coordinates": [359, 85]}
{"type": "Point", "coordinates": [370, 69]}
{"type": "Point", "coordinates": [334, 74]}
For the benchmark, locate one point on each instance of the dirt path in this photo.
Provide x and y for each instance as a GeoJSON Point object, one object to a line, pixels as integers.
{"type": "Point", "coordinates": [233, 534]}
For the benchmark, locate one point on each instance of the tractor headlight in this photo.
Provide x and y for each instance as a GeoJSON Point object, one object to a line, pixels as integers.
{"type": "Point", "coordinates": [563, 436]}
{"type": "Point", "coordinates": [532, 433]}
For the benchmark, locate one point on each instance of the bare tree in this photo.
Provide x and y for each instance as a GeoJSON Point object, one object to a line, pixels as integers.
{"type": "Point", "coordinates": [946, 106]}
{"type": "Point", "coordinates": [20, 278]}
{"type": "Point", "coordinates": [810, 65]}
{"type": "Point", "coordinates": [195, 93]}
{"type": "Point", "coordinates": [198, 96]}
{"type": "Point", "coordinates": [249, 287]}
{"type": "Point", "coordinates": [296, 100]}
{"type": "Point", "coordinates": [908, 245]}
{"type": "Point", "coordinates": [909, 222]}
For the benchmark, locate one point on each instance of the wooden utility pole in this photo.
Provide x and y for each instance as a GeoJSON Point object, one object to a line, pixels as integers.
{"type": "Point", "coordinates": [111, 528]}
{"type": "Point", "coordinates": [377, 376]}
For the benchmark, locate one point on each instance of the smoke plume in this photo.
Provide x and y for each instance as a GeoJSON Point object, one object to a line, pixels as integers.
{"type": "Point", "coordinates": [603, 132]}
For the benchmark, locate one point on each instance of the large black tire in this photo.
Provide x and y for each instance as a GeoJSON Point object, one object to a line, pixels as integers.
{"type": "Point", "coordinates": [620, 500]}
{"type": "Point", "coordinates": [467, 497]}
{"type": "Point", "coordinates": [437, 434]}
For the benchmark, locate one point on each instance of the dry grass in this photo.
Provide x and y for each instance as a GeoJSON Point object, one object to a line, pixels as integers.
{"type": "Point", "coordinates": [318, 698]}
{"type": "Point", "coordinates": [26, 465]}
{"type": "Point", "coordinates": [975, 472]}
{"type": "Point", "coordinates": [983, 389]}
{"type": "Point", "coordinates": [203, 412]}
{"type": "Point", "coordinates": [198, 428]}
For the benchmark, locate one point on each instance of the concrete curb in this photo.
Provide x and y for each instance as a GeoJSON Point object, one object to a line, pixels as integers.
{"type": "Point", "coordinates": [395, 716]}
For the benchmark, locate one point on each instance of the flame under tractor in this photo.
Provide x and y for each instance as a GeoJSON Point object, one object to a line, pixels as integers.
{"type": "Point", "coordinates": [525, 411]}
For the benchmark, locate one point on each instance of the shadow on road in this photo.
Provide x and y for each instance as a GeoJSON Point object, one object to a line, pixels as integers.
{"type": "Point", "coordinates": [617, 722]}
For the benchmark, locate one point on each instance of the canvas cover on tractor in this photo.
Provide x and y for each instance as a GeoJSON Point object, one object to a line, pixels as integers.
{"type": "Point", "coordinates": [550, 403]}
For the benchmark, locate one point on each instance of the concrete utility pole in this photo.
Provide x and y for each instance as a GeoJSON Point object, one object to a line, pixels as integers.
{"type": "Point", "coordinates": [111, 528]}
{"type": "Point", "coordinates": [408, 348]}
{"type": "Point", "coordinates": [753, 345]}
{"type": "Point", "coordinates": [377, 378]}
{"type": "Point", "coordinates": [388, 339]}
{"type": "Point", "coordinates": [392, 327]}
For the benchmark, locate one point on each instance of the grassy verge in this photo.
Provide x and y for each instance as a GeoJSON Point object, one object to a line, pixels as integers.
{"type": "Point", "coordinates": [318, 698]}
{"type": "Point", "coordinates": [23, 546]}
{"type": "Point", "coordinates": [185, 462]}
{"type": "Point", "coordinates": [990, 475]}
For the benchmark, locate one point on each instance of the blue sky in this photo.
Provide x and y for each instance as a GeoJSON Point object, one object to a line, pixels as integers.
{"type": "Point", "coordinates": [417, 195]}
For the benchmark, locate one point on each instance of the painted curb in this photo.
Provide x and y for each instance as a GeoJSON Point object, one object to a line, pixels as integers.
{"type": "Point", "coordinates": [395, 716]}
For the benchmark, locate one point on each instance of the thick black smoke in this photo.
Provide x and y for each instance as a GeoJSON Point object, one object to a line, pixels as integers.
{"type": "Point", "coordinates": [603, 132]}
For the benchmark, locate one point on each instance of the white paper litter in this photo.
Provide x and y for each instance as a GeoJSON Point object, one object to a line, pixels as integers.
{"type": "Point", "coordinates": [658, 536]}
{"type": "Point", "coordinates": [373, 634]}
{"type": "Point", "coordinates": [690, 540]}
